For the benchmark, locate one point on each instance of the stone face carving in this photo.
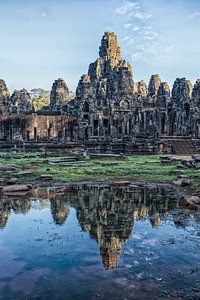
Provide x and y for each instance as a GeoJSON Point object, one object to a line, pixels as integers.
{"type": "Point", "coordinates": [153, 86]}
{"type": "Point", "coordinates": [59, 94]}
{"type": "Point", "coordinates": [181, 91]}
{"type": "Point", "coordinates": [163, 94]}
{"type": "Point", "coordinates": [4, 96]}
{"type": "Point", "coordinates": [59, 210]}
{"type": "Point", "coordinates": [20, 101]}
{"type": "Point", "coordinates": [196, 92]}
{"type": "Point", "coordinates": [84, 89]}
{"type": "Point", "coordinates": [142, 89]}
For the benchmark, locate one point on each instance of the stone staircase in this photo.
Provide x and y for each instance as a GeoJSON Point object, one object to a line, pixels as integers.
{"type": "Point", "coordinates": [183, 146]}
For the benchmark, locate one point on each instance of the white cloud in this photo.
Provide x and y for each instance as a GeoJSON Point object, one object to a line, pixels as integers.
{"type": "Point", "coordinates": [108, 28]}
{"type": "Point", "coordinates": [151, 33]}
{"type": "Point", "coordinates": [150, 38]}
{"type": "Point", "coordinates": [126, 38]}
{"type": "Point", "coordinates": [135, 28]}
{"type": "Point", "coordinates": [136, 56]}
{"type": "Point", "coordinates": [169, 48]}
{"type": "Point", "coordinates": [130, 41]}
{"type": "Point", "coordinates": [141, 39]}
{"type": "Point", "coordinates": [127, 6]}
{"type": "Point", "coordinates": [196, 14]}
{"type": "Point", "coordinates": [131, 26]}
{"type": "Point", "coordinates": [149, 27]}
{"type": "Point", "coordinates": [150, 48]}
{"type": "Point", "coordinates": [44, 14]}
{"type": "Point", "coordinates": [141, 16]}
{"type": "Point", "coordinates": [127, 25]}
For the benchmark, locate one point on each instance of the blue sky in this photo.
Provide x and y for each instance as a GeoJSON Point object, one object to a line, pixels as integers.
{"type": "Point", "coordinates": [42, 40]}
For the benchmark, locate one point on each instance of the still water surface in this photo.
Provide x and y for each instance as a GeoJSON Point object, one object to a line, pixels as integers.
{"type": "Point", "coordinates": [98, 242]}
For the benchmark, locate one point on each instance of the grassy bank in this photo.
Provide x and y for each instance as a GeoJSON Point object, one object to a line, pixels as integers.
{"type": "Point", "coordinates": [148, 168]}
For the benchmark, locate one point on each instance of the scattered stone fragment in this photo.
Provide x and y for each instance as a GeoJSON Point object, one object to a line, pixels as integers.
{"type": "Point", "coordinates": [120, 183]}
{"type": "Point", "coordinates": [182, 182]}
{"type": "Point", "coordinates": [190, 202]}
{"type": "Point", "coordinates": [193, 206]}
{"type": "Point", "coordinates": [7, 167]}
{"type": "Point", "coordinates": [16, 187]}
{"type": "Point", "coordinates": [46, 177]}
{"type": "Point", "coordinates": [196, 157]}
{"type": "Point", "coordinates": [24, 173]}
{"type": "Point", "coordinates": [12, 181]}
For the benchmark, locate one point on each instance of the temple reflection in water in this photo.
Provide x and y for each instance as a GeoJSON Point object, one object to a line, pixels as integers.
{"type": "Point", "coordinates": [106, 212]}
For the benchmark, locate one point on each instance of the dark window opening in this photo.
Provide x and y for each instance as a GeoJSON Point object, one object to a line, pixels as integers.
{"type": "Point", "coordinates": [28, 135]}
{"type": "Point", "coordinates": [96, 125]}
{"type": "Point", "coordinates": [86, 117]}
{"type": "Point", "coordinates": [86, 107]}
{"type": "Point", "coordinates": [105, 123]}
{"type": "Point", "coordinates": [35, 133]}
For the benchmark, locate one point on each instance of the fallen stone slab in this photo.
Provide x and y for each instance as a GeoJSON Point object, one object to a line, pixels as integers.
{"type": "Point", "coordinates": [152, 162]}
{"type": "Point", "coordinates": [194, 199]}
{"type": "Point", "coordinates": [60, 191]}
{"type": "Point", "coordinates": [193, 206]}
{"type": "Point", "coordinates": [46, 177]}
{"type": "Point", "coordinates": [183, 202]}
{"type": "Point", "coordinates": [4, 167]}
{"type": "Point", "coordinates": [182, 182]}
{"type": "Point", "coordinates": [190, 202]}
{"type": "Point", "coordinates": [180, 166]}
{"type": "Point", "coordinates": [120, 183]}
{"type": "Point", "coordinates": [166, 162]}
{"type": "Point", "coordinates": [177, 173]}
{"type": "Point", "coordinates": [133, 187]}
{"type": "Point", "coordinates": [165, 157]}
{"type": "Point", "coordinates": [16, 193]}
{"type": "Point", "coordinates": [16, 187]}
{"type": "Point", "coordinates": [12, 181]}
{"type": "Point", "coordinates": [197, 194]}
{"type": "Point", "coordinates": [109, 163]}
{"type": "Point", "coordinates": [196, 157]}
{"type": "Point", "coordinates": [67, 164]}
{"type": "Point", "coordinates": [196, 164]}
{"type": "Point", "coordinates": [24, 173]}
{"type": "Point", "coordinates": [106, 156]}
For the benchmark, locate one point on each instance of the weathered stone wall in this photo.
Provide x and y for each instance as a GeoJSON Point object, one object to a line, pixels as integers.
{"type": "Point", "coordinates": [40, 128]}
{"type": "Point", "coordinates": [176, 114]}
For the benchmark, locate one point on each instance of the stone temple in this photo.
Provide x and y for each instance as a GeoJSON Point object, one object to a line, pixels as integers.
{"type": "Point", "coordinates": [110, 112]}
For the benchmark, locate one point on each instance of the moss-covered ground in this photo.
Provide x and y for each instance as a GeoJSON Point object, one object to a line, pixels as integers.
{"type": "Point", "coordinates": [143, 167]}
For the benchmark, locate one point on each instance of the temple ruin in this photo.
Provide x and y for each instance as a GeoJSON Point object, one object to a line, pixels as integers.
{"type": "Point", "coordinates": [110, 112]}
